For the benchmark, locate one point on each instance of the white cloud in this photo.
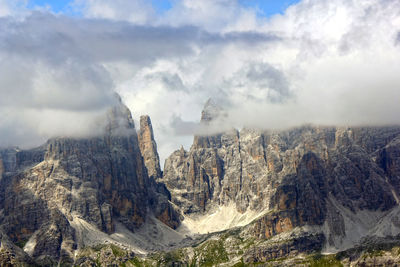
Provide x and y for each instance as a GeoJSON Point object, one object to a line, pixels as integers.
{"type": "Point", "coordinates": [4, 8]}
{"type": "Point", "coordinates": [12, 7]}
{"type": "Point", "coordinates": [335, 64]}
{"type": "Point", "coordinates": [211, 15]}
{"type": "Point", "coordinates": [135, 11]}
{"type": "Point", "coordinates": [59, 73]}
{"type": "Point", "coordinates": [323, 62]}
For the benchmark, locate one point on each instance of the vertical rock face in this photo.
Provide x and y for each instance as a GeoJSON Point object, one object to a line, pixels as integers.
{"type": "Point", "coordinates": [327, 179]}
{"type": "Point", "coordinates": [102, 180]}
{"type": "Point", "coordinates": [1, 168]}
{"type": "Point", "coordinates": [202, 175]}
{"type": "Point", "coordinates": [8, 158]}
{"type": "Point", "coordinates": [290, 175]}
{"type": "Point", "coordinates": [159, 199]}
{"type": "Point", "coordinates": [388, 159]}
{"type": "Point", "coordinates": [148, 148]}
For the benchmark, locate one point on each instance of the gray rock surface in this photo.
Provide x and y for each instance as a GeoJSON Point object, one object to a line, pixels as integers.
{"type": "Point", "coordinates": [100, 179]}
{"type": "Point", "coordinates": [314, 188]}
{"type": "Point", "coordinates": [148, 148]}
{"type": "Point", "coordinates": [160, 197]}
{"type": "Point", "coordinates": [289, 175]}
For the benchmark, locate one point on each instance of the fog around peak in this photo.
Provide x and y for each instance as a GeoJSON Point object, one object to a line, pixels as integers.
{"type": "Point", "coordinates": [320, 62]}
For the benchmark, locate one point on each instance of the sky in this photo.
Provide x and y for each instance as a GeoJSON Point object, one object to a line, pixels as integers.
{"type": "Point", "coordinates": [265, 7]}
{"type": "Point", "coordinates": [269, 64]}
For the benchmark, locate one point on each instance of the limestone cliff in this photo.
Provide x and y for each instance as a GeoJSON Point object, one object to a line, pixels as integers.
{"type": "Point", "coordinates": [282, 194]}
{"type": "Point", "coordinates": [148, 148]}
{"type": "Point", "coordinates": [160, 197]}
{"type": "Point", "coordinates": [306, 176]}
{"type": "Point", "coordinates": [46, 193]}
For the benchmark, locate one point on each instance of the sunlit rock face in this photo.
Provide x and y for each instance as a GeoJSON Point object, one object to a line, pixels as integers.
{"type": "Point", "coordinates": [100, 179]}
{"type": "Point", "coordinates": [148, 148]}
{"type": "Point", "coordinates": [160, 197]}
{"type": "Point", "coordinates": [291, 178]}
{"type": "Point", "coordinates": [282, 193]}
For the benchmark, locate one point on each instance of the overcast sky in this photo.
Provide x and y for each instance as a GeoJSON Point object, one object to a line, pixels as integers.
{"type": "Point", "coordinates": [329, 62]}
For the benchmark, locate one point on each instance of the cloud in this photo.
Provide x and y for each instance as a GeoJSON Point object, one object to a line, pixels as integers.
{"type": "Point", "coordinates": [217, 126]}
{"type": "Point", "coordinates": [12, 7]}
{"type": "Point", "coordinates": [57, 38]}
{"type": "Point", "coordinates": [39, 102]}
{"type": "Point", "coordinates": [331, 63]}
{"type": "Point", "coordinates": [59, 73]}
{"type": "Point", "coordinates": [261, 82]}
{"type": "Point", "coordinates": [213, 15]}
{"type": "Point", "coordinates": [323, 62]}
{"type": "Point", "coordinates": [210, 15]}
{"type": "Point", "coordinates": [4, 8]}
{"type": "Point", "coordinates": [135, 11]}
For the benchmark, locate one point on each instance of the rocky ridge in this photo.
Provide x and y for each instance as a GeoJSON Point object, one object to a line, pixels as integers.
{"type": "Point", "coordinates": [256, 197]}
{"type": "Point", "coordinates": [342, 182]}
{"type": "Point", "coordinates": [102, 181]}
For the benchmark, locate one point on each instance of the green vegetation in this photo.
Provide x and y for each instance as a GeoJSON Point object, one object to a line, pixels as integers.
{"type": "Point", "coordinates": [98, 247]}
{"type": "Point", "coordinates": [319, 260]}
{"type": "Point", "coordinates": [136, 262]}
{"type": "Point", "coordinates": [210, 253]}
{"type": "Point", "coordinates": [373, 253]}
{"type": "Point", "coordinates": [240, 264]}
{"type": "Point", "coordinates": [172, 257]}
{"type": "Point", "coordinates": [248, 243]}
{"type": "Point", "coordinates": [225, 246]}
{"type": "Point", "coordinates": [118, 252]}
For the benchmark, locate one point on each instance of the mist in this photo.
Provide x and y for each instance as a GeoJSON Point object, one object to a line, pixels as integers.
{"type": "Point", "coordinates": [320, 62]}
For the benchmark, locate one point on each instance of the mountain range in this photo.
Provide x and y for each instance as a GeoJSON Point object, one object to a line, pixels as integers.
{"type": "Point", "coordinates": [305, 196]}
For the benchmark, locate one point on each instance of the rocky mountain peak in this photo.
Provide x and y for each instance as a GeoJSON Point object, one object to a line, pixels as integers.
{"type": "Point", "coordinates": [310, 188]}
{"type": "Point", "coordinates": [119, 119]}
{"type": "Point", "coordinates": [213, 124]}
{"type": "Point", "coordinates": [211, 111]}
{"type": "Point", "coordinates": [301, 176]}
{"type": "Point", "coordinates": [49, 194]}
{"type": "Point", "coordinates": [148, 148]}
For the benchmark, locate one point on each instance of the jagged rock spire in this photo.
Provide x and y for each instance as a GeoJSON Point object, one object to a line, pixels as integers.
{"type": "Point", "coordinates": [212, 118]}
{"type": "Point", "coordinates": [119, 119]}
{"type": "Point", "coordinates": [210, 111]}
{"type": "Point", "coordinates": [148, 148]}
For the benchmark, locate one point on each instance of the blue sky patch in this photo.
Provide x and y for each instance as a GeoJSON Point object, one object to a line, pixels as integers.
{"type": "Point", "coordinates": [267, 7]}
{"type": "Point", "coordinates": [54, 5]}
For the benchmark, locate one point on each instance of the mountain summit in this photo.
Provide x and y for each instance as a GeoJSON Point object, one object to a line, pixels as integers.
{"type": "Point", "coordinates": [53, 197]}
{"type": "Point", "coordinates": [211, 111]}
{"type": "Point", "coordinates": [236, 197]}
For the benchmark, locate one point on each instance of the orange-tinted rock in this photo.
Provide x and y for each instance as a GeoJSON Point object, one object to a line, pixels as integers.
{"type": "Point", "coordinates": [148, 148]}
